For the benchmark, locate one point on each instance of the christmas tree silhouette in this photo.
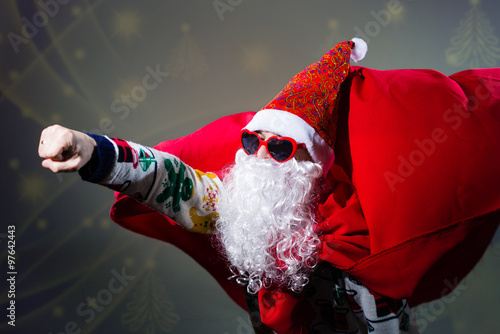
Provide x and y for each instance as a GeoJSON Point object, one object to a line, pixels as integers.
{"type": "Point", "coordinates": [475, 44]}
{"type": "Point", "coordinates": [150, 311]}
{"type": "Point", "coordinates": [186, 61]}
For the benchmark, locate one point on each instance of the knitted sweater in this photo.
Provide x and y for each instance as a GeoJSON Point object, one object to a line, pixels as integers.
{"type": "Point", "coordinates": [157, 179]}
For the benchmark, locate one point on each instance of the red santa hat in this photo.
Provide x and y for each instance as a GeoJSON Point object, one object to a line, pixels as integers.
{"type": "Point", "coordinates": [306, 109]}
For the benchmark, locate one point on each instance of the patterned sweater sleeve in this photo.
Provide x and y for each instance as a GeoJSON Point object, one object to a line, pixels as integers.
{"type": "Point", "coordinates": [158, 179]}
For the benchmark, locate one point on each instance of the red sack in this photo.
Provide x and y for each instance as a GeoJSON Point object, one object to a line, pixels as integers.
{"type": "Point", "coordinates": [425, 152]}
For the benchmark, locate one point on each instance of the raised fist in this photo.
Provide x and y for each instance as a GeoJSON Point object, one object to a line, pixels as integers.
{"type": "Point", "coordinates": [65, 150]}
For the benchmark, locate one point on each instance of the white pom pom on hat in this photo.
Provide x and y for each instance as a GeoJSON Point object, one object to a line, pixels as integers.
{"type": "Point", "coordinates": [359, 50]}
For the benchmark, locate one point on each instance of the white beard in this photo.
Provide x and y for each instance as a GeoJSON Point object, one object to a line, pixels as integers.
{"type": "Point", "coordinates": [266, 221]}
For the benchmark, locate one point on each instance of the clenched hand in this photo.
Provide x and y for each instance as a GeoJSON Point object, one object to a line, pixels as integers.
{"type": "Point", "coordinates": [64, 150]}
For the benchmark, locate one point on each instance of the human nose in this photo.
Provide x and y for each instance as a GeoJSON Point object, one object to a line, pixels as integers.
{"type": "Point", "coordinates": [262, 153]}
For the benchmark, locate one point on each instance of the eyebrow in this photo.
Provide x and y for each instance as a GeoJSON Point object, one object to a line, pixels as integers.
{"type": "Point", "coordinates": [259, 132]}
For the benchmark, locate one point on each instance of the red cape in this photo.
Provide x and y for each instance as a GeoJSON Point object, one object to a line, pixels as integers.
{"type": "Point", "coordinates": [418, 184]}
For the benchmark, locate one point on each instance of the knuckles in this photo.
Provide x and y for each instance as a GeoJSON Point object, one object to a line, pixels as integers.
{"type": "Point", "coordinates": [56, 131]}
{"type": "Point", "coordinates": [59, 143]}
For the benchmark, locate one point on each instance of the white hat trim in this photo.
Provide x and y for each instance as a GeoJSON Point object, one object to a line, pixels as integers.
{"type": "Point", "coordinates": [286, 124]}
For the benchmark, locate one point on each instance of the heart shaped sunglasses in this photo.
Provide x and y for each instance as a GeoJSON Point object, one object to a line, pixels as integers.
{"type": "Point", "coordinates": [280, 149]}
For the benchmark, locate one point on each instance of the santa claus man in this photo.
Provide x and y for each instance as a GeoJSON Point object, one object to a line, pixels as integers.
{"type": "Point", "coordinates": [285, 219]}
